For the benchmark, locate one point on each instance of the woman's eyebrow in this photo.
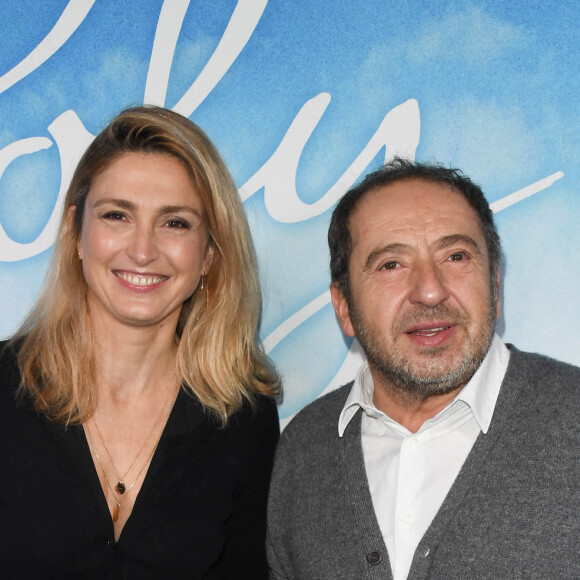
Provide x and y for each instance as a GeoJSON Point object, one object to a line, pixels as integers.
{"type": "Point", "coordinates": [163, 210]}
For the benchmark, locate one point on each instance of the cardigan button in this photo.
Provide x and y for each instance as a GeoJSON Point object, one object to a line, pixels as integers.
{"type": "Point", "coordinates": [374, 557]}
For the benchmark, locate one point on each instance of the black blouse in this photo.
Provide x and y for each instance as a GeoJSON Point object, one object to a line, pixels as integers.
{"type": "Point", "coordinates": [201, 511]}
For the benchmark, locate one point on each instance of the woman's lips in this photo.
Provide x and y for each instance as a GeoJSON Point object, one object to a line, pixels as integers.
{"type": "Point", "coordinates": [141, 280]}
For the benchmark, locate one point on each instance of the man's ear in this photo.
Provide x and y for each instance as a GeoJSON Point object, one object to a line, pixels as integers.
{"type": "Point", "coordinates": [341, 308]}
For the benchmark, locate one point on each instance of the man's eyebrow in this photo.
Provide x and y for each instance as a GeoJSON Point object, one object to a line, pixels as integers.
{"type": "Point", "coordinates": [454, 239]}
{"type": "Point", "coordinates": [395, 248]}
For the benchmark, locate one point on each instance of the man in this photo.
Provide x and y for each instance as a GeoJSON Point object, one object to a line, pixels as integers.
{"type": "Point", "coordinates": [452, 455]}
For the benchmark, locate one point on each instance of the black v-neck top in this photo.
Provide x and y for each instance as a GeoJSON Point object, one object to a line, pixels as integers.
{"type": "Point", "coordinates": [200, 513]}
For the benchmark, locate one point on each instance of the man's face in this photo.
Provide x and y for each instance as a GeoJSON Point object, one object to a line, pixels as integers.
{"type": "Point", "coordinates": [421, 300]}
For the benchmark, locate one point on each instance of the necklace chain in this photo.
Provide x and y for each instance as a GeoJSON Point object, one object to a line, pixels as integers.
{"type": "Point", "coordinates": [121, 488]}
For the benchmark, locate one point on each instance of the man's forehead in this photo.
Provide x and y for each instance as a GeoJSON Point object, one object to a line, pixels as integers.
{"type": "Point", "coordinates": [413, 204]}
{"type": "Point", "coordinates": [409, 187]}
{"type": "Point", "coordinates": [411, 196]}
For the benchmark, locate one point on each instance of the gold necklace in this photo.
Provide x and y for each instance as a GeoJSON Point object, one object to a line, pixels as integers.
{"type": "Point", "coordinates": [121, 487]}
{"type": "Point", "coordinates": [119, 500]}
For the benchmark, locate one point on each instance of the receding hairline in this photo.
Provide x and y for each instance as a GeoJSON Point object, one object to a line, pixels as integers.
{"type": "Point", "coordinates": [378, 188]}
{"type": "Point", "coordinates": [405, 179]}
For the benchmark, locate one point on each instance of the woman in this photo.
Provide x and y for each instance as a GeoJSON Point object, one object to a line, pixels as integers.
{"type": "Point", "coordinates": [141, 439]}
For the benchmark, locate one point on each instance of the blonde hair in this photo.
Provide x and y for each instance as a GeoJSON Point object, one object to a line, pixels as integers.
{"type": "Point", "coordinates": [218, 356]}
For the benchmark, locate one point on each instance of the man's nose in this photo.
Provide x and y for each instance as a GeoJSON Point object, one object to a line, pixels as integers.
{"type": "Point", "coordinates": [428, 285]}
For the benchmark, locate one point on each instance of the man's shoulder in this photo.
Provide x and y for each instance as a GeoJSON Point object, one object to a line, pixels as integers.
{"type": "Point", "coordinates": [537, 386]}
{"type": "Point", "coordinates": [535, 367]}
{"type": "Point", "coordinates": [307, 455]}
{"type": "Point", "coordinates": [319, 418]}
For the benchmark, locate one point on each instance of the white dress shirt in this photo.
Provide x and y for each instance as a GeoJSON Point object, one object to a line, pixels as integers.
{"type": "Point", "coordinates": [410, 474]}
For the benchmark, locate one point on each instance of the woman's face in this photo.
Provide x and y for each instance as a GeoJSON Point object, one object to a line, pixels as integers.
{"type": "Point", "coordinates": [144, 241]}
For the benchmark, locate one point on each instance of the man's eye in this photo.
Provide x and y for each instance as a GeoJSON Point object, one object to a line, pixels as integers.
{"type": "Point", "coordinates": [457, 257]}
{"type": "Point", "coordinates": [389, 266]}
{"type": "Point", "coordinates": [113, 215]}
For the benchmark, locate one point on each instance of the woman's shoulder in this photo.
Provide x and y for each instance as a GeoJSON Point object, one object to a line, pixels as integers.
{"type": "Point", "coordinates": [255, 418]}
{"type": "Point", "coordinates": [257, 409]}
{"type": "Point", "coordinates": [255, 422]}
{"type": "Point", "coordinates": [9, 373]}
{"type": "Point", "coordinates": [9, 360]}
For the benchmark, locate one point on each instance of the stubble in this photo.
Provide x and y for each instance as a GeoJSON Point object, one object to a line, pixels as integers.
{"type": "Point", "coordinates": [430, 373]}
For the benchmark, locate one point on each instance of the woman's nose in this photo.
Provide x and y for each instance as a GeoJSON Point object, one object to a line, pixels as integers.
{"type": "Point", "coordinates": [143, 246]}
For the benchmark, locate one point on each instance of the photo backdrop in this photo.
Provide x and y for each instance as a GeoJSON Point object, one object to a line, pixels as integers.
{"type": "Point", "coordinates": [302, 98]}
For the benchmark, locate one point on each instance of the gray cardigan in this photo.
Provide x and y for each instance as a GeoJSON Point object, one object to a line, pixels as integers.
{"type": "Point", "coordinates": [512, 513]}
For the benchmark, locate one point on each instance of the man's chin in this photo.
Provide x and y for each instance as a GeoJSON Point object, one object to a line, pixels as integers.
{"type": "Point", "coordinates": [429, 378]}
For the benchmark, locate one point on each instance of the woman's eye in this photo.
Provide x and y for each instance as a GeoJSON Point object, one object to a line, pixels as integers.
{"type": "Point", "coordinates": [177, 223]}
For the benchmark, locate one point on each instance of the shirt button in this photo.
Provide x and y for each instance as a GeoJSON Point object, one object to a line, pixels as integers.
{"type": "Point", "coordinates": [414, 442]}
{"type": "Point", "coordinates": [374, 557]}
{"type": "Point", "coordinates": [407, 518]}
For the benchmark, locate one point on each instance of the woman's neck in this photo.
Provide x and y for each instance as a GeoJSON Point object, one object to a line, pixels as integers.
{"type": "Point", "coordinates": [132, 360]}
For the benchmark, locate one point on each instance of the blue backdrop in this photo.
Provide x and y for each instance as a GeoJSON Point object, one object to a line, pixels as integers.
{"type": "Point", "coordinates": [302, 98]}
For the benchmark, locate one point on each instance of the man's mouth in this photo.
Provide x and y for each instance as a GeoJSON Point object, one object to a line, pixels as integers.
{"type": "Point", "coordinates": [140, 279]}
{"type": "Point", "coordinates": [429, 331]}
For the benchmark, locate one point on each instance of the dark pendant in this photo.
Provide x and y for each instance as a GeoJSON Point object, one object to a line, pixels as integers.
{"type": "Point", "coordinates": [120, 487]}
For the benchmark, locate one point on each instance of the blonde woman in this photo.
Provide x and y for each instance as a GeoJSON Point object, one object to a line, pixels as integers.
{"type": "Point", "coordinates": [137, 425]}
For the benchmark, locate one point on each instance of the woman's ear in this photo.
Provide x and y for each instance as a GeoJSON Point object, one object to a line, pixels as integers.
{"type": "Point", "coordinates": [70, 215]}
{"type": "Point", "coordinates": [70, 218]}
{"type": "Point", "coordinates": [208, 258]}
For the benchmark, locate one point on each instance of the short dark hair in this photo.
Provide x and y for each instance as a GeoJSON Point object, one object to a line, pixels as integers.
{"type": "Point", "coordinates": [339, 237]}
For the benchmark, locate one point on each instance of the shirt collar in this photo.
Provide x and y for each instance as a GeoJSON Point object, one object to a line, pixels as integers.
{"type": "Point", "coordinates": [480, 393]}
